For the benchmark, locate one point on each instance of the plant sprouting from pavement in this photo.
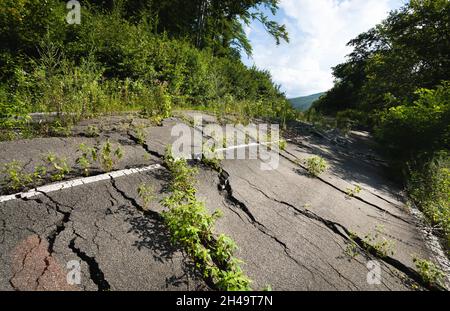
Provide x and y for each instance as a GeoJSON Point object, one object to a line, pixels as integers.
{"type": "Point", "coordinates": [191, 226]}
{"type": "Point", "coordinates": [147, 193]}
{"type": "Point", "coordinates": [88, 156]}
{"type": "Point", "coordinates": [59, 167]}
{"type": "Point", "coordinates": [429, 272]}
{"type": "Point", "coordinates": [92, 131]}
{"type": "Point", "coordinates": [109, 158]}
{"type": "Point", "coordinates": [382, 246]}
{"type": "Point", "coordinates": [15, 177]}
{"type": "Point", "coordinates": [353, 192]}
{"type": "Point", "coordinates": [316, 165]}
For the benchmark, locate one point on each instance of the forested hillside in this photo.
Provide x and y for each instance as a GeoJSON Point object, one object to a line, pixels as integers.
{"type": "Point", "coordinates": [150, 56]}
{"type": "Point", "coordinates": [396, 82]}
{"type": "Point", "coordinates": [305, 102]}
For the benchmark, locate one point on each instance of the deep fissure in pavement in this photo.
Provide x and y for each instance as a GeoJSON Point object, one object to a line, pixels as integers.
{"type": "Point", "coordinates": [96, 274]}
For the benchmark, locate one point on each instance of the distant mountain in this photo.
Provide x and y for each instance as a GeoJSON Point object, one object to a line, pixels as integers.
{"type": "Point", "coordinates": [303, 103]}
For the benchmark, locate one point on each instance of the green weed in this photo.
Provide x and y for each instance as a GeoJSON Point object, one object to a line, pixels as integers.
{"type": "Point", "coordinates": [147, 194]}
{"type": "Point", "coordinates": [109, 158]}
{"type": "Point", "coordinates": [316, 165]}
{"type": "Point", "coordinates": [429, 272]}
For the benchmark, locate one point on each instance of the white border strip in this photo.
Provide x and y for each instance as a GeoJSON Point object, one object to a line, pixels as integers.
{"type": "Point", "coordinates": [76, 182]}
{"type": "Point", "coordinates": [89, 180]}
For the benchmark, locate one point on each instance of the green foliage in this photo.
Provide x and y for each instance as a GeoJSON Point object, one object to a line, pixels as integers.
{"type": "Point", "coordinates": [429, 272]}
{"type": "Point", "coordinates": [15, 177]}
{"type": "Point", "coordinates": [191, 226]}
{"type": "Point", "coordinates": [375, 241]}
{"type": "Point", "coordinates": [146, 193]}
{"type": "Point", "coordinates": [352, 192]}
{"type": "Point", "coordinates": [108, 157]}
{"type": "Point", "coordinates": [316, 165]}
{"type": "Point", "coordinates": [58, 167]}
{"type": "Point", "coordinates": [88, 155]}
{"type": "Point", "coordinates": [429, 187]}
{"type": "Point", "coordinates": [92, 131]}
{"type": "Point", "coordinates": [422, 126]}
{"type": "Point", "coordinates": [120, 59]}
{"type": "Point", "coordinates": [140, 134]}
{"type": "Point", "coordinates": [352, 249]}
{"type": "Point", "coordinates": [282, 144]}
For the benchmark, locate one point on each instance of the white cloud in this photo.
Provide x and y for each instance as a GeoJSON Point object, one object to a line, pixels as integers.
{"type": "Point", "coordinates": [319, 31]}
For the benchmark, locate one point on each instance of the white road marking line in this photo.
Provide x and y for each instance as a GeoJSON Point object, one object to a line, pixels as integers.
{"type": "Point", "coordinates": [76, 182]}
{"type": "Point", "coordinates": [89, 180]}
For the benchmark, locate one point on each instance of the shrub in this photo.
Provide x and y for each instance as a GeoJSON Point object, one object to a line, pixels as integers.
{"type": "Point", "coordinates": [429, 187]}
{"type": "Point", "coordinates": [316, 165]}
{"type": "Point", "coordinates": [15, 176]}
{"type": "Point", "coordinates": [192, 227]}
{"type": "Point", "coordinates": [429, 272]}
{"type": "Point", "coordinates": [422, 126]}
{"type": "Point", "coordinates": [146, 193]}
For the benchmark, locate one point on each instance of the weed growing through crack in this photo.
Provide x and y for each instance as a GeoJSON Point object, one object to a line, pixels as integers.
{"type": "Point", "coordinates": [282, 144]}
{"type": "Point", "coordinates": [59, 167]}
{"type": "Point", "coordinates": [59, 128]}
{"type": "Point", "coordinates": [352, 249]}
{"type": "Point", "coordinates": [382, 246]}
{"type": "Point", "coordinates": [191, 226]}
{"type": "Point", "coordinates": [316, 165]}
{"type": "Point", "coordinates": [429, 272]}
{"type": "Point", "coordinates": [140, 134]}
{"type": "Point", "coordinates": [210, 159]}
{"type": "Point", "coordinates": [93, 131]}
{"type": "Point", "coordinates": [351, 193]}
{"type": "Point", "coordinates": [147, 194]}
{"type": "Point", "coordinates": [88, 155]}
{"type": "Point", "coordinates": [108, 157]}
{"type": "Point", "coordinates": [15, 177]}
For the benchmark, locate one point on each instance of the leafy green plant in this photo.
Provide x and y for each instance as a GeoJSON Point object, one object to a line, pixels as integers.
{"type": "Point", "coordinates": [353, 192]}
{"type": "Point", "coordinates": [429, 272]}
{"type": "Point", "coordinates": [15, 177]}
{"type": "Point", "coordinates": [282, 144]}
{"type": "Point", "coordinates": [429, 188]}
{"type": "Point", "coordinates": [58, 128]}
{"type": "Point", "coordinates": [93, 131]}
{"type": "Point", "coordinates": [109, 158]}
{"type": "Point", "coordinates": [316, 165]}
{"type": "Point", "coordinates": [59, 167]}
{"type": "Point", "coordinates": [192, 227]}
{"type": "Point", "coordinates": [88, 155]}
{"type": "Point", "coordinates": [147, 194]}
{"type": "Point", "coordinates": [140, 134]}
{"type": "Point", "coordinates": [352, 249]}
{"type": "Point", "coordinates": [382, 246]}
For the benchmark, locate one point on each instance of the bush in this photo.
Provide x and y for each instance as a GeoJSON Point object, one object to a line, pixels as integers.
{"type": "Point", "coordinates": [316, 165]}
{"type": "Point", "coordinates": [429, 187]}
{"type": "Point", "coordinates": [422, 126]}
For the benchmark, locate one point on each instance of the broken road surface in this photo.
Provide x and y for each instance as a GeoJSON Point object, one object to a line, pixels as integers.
{"type": "Point", "coordinates": [294, 232]}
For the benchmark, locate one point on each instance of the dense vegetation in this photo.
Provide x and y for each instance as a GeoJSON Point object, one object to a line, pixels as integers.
{"type": "Point", "coordinates": [150, 56]}
{"type": "Point", "coordinates": [396, 82]}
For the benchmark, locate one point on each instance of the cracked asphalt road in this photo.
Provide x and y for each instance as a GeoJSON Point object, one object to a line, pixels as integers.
{"type": "Point", "coordinates": [294, 232]}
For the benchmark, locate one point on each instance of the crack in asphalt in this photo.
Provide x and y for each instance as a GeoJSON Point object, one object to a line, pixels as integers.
{"type": "Point", "coordinates": [96, 274]}
{"type": "Point", "coordinates": [134, 203]}
{"type": "Point", "coordinates": [342, 191]}
{"type": "Point", "coordinates": [350, 237]}
{"type": "Point", "coordinates": [225, 186]}
{"type": "Point", "coordinates": [144, 145]}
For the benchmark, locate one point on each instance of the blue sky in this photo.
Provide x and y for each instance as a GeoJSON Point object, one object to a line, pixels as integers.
{"type": "Point", "coordinates": [319, 31]}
